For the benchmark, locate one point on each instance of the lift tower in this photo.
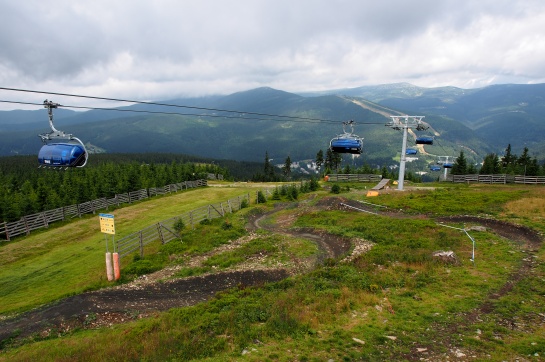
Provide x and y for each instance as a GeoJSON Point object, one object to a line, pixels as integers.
{"type": "Point", "coordinates": [404, 123]}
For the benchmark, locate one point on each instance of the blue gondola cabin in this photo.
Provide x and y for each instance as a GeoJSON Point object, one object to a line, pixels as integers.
{"type": "Point", "coordinates": [62, 155]}
{"type": "Point", "coordinates": [424, 140]}
{"type": "Point", "coordinates": [346, 145]}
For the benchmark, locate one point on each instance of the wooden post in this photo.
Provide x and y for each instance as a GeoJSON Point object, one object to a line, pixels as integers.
{"type": "Point", "coordinates": [7, 231]}
{"type": "Point", "coordinates": [27, 229]}
{"type": "Point", "coordinates": [141, 245]}
{"type": "Point", "coordinates": [160, 232]}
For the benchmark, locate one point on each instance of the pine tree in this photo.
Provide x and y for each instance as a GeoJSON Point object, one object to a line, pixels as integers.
{"type": "Point", "coordinates": [491, 165]}
{"type": "Point", "coordinates": [460, 165]}
{"type": "Point", "coordinates": [336, 159]}
{"type": "Point", "coordinates": [508, 160]}
{"type": "Point", "coordinates": [287, 168]}
{"type": "Point", "coordinates": [319, 159]}
{"type": "Point", "coordinates": [268, 169]}
{"type": "Point", "coordinates": [329, 159]}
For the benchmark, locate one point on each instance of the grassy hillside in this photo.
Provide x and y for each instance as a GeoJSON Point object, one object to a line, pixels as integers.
{"type": "Point", "coordinates": [69, 259]}
{"type": "Point", "coordinates": [392, 302]}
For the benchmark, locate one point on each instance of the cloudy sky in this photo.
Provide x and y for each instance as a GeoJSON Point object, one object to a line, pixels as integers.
{"type": "Point", "coordinates": [163, 49]}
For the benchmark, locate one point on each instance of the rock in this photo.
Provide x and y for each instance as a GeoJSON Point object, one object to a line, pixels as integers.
{"type": "Point", "coordinates": [393, 338]}
{"type": "Point", "coordinates": [358, 340]}
{"type": "Point", "coordinates": [421, 350]}
{"type": "Point", "coordinates": [448, 257]}
{"type": "Point", "coordinates": [460, 354]}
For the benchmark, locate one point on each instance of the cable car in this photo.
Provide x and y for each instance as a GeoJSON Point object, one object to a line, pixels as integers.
{"type": "Point", "coordinates": [447, 165]}
{"type": "Point", "coordinates": [411, 151]}
{"type": "Point", "coordinates": [62, 154]}
{"type": "Point", "coordinates": [435, 168]}
{"type": "Point", "coordinates": [60, 149]}
{"type": "Point", "coordinates": [347, 142]}
{"type": "Point", "coordinates": [424, 140]}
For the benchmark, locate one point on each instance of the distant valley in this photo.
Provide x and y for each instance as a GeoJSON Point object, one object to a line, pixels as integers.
{"type": "Point", "coordinates": [478, 121]}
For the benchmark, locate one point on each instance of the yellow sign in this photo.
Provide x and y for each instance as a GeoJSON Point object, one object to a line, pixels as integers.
{"type": "Point", "coordinates": [107, 223]}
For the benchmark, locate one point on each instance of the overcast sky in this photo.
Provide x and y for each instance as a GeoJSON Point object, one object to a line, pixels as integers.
{"type": "Point", "coordinates": [162, 49]}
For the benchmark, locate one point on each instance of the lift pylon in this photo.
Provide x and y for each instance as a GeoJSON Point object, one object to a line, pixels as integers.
{"type": "Point", "coordinates": [404, 123]}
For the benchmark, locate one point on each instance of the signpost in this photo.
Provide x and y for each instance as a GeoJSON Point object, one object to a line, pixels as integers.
{"type": "Point", "coordinates": [107, 226]}
{"type": "Point", "coordinates": [107, 223]}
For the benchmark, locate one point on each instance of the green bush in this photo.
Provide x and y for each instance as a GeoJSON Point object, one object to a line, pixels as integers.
{"type": "Point", "coordinates": [335, 189]}
{"type": "Point", "coordinates": [141, 267]}
{"type": "Point", "coordinates": [179, 225]}
{"type": "Point", "coordinates": [226, 225]}
{"type": "Point", "coordinates": [261, 198]}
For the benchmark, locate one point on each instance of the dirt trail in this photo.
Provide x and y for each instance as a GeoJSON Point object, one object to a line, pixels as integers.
{"type": "Point", "coordinates": [150, 294]}
{"type": "Point", "coordinates": [147, 296]}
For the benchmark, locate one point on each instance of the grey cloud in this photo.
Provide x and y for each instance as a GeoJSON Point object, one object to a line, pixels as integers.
{"type": "Point", "coordinates": [155, 48]}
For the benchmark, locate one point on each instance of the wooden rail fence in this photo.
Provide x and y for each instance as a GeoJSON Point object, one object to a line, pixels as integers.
{"type": "Point", "coordinates": [354, 177]}
{"type": "Point", "coordinates": [40, 220]}
{"type": "Point", "coordinates": [498, 179]}
{"type": "Point", "coordinates": [166, 231]}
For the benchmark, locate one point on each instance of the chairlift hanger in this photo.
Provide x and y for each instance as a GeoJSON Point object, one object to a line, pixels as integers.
{"type": "Point", "coordinates": [347, 142]}
{"type": "Point", "coordinates": [60, 149]}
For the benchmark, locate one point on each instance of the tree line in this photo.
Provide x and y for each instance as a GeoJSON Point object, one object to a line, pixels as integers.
{"type": "Point", "coordinates": [509, 163]}
{"type": "Point", "coordinates": [26, 189]}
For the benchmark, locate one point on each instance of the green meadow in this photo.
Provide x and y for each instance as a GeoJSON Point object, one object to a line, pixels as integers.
{"type": "Point", "coordinates": [395, 302]}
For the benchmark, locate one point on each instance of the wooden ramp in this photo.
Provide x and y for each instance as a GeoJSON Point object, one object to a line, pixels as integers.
{"type": "Point", "coordinates": [381, 184]}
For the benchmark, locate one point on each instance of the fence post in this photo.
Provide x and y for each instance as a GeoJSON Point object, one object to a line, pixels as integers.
{"type": "Point", "coordinates": [46, 224]}
{"type": "Point", "coordinates": [141, 245]}
{"type": "Point", "coordinates": [7, 231]}
{"type": "Point", "coordinates": [160, 232]}
{"type": "Point", "coordinates": [26, 226]}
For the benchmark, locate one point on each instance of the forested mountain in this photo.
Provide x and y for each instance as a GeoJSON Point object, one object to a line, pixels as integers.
{"type": "Point", "coordinates": [478, 121]}
{"type": "Point", "coordinates": [498, 114]}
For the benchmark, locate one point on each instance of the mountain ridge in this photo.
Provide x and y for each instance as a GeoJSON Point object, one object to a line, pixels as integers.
{"type": "Point", "coordinates": [244, 125]}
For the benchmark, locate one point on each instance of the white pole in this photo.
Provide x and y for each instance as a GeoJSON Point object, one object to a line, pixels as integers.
{"type": "Point", "coordinates": [472, 240]}
{"type": "Point", "coordinates": [403, 160]}
{"type": "Point", "coordinates": [109, 267]}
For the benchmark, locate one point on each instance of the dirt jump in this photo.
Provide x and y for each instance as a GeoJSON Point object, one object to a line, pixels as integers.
{"type": "Point", "coordinates": [147, 295]}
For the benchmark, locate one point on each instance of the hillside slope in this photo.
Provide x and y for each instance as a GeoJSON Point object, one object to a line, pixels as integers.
{"type": "Point", "coordinates": [482, 120]}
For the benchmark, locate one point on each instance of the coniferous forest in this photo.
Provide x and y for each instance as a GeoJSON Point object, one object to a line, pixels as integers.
{"type": "Point", "coordinates": [26, 189]}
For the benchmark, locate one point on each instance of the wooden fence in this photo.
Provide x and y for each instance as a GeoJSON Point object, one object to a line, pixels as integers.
{"type": "Point", "coordinates": [40, 220]}
{"type": "Point", "coordinates": [354, 177]}
{"type": "Point", "coordinates": [498, 179]}
{"type": "Point", "coordinates": [166, 231]}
